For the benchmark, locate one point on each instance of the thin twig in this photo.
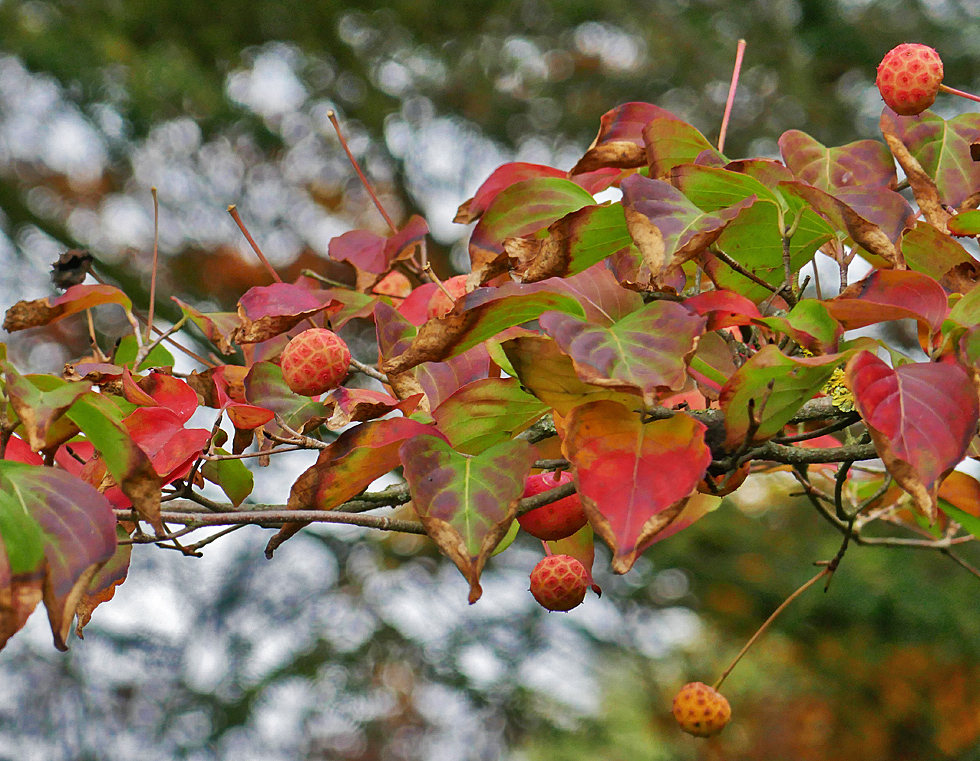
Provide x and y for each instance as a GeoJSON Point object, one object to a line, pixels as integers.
{"type": "Point", "coordinates": [153, 272]}
{"type": "Point", "coordinates": [251, 241]}
{"type": "Point", "coordinates": [368, 370]}
{"type": "Point", "coordinates": [743, 271]}
{"type": "Point", "coordinates": [775, 614]}
{"type": "Point", "coordinates": [364, 180]}
{"type": "Point", "coordinates": [739, 53]}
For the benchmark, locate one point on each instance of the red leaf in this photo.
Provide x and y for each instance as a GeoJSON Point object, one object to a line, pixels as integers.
{"type": "Point", "coordinates": [921, 417]}
{"type": "Point", "coordinates": [634, 478]}
{"type": "Point", "coordinates": [892, 295]}
{"type": "Point", "coordinates": [362, 248]}
{"type": "Point", "coordinates": [724, 309]}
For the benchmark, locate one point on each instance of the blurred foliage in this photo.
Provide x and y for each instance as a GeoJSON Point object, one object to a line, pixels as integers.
{"type": "Point", "coordinates": [884, 665]}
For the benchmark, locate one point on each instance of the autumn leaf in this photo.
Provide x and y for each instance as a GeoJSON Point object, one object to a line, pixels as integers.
{"type": "Point", "coordinates": [864, 163]}
{"type": "Point", "coordinates": [620, 140]}
{"type": "Point", "coordinates": [267, 311]}
{"type": "Point", "coordinates": [40, 402]}
{"type": "Point", "coordinates": [777, 386]}
{"type": "Point", "coordinates": [55, 532]}
{"type": "Point", "coordinates": [921, 417]}
{"type": "Point", "coordinates": [78, 298]}
{"type": "Point", "coordinates": [647, 351]}
{"type": "Point", "coordinates": [502, 178]}
{"type": "Point", "coordinates": [347, 466]}
{"type": "Point", "coordinates": [634, 478]}
{"type": "Point", "coordinates": [466, 504]}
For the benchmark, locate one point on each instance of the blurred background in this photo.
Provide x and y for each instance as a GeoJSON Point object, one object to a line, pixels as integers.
{"type": "Point", "coordinates": [347, 646]}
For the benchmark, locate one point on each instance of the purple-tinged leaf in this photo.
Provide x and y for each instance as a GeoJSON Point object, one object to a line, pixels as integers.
{"type": "Point", "coordinates": [647, 351]}
{"type": "Point", "coordinates": [921, 417]}
{"type": "Point", "coordinates": [54, 527]}
{"type": "Point", "coordinates": [440, 380]}
{"type": "Point", "coordinates": [395, 332]}
{"type": "Point", "coordinates": [364, 249]}
{"type": "Point", "coordinates": [604, 300]}
{"type": "Point", "coordinates": [865, 163]}
{"type": "Point", "coordinates": [486, 412]}
{"type": "Point", "coordinates": [466, 504]}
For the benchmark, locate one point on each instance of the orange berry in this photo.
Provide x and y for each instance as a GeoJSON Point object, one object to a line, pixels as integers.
{"type": "Point", "coordinates": [701, 710]}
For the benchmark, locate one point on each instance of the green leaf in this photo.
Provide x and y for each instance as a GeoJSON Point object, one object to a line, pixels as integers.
{"type": "Point", "coordinates": [526, 207]}
{"type": "Point", "coordinates": [232, 476]}
{"type": "Point", "coordinates": [931, 252]}
{"type": "Point", "coordinates": [970, 522]}
{"type": "Point", "coordinates": [159, 356]}
{"type": "Point", "coordinates": [98, 418]}
{"type": "Point", "coordinates": [967, 223]}
{"type": "Point", "coordinates": [486, 412]}
{"type": "Point", "coordinates": [40, 402]}
{"type": "Point", "coordinates": [794, 381]}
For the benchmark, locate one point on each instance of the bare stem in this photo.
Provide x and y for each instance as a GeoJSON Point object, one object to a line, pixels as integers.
{"type": "Point", "coordinates": [251, 241]}
{"type": "Point", "coordinates": [368, 370]}
{"type": "Point", "coordinates": [775, 614]}
{"type": "Point", "coordinates": [739, 53]}
{"type": "Point", "coordinates": [156, 250]}
{"type": "Point", "coordinates": [954, 91]}
{"type": "Point", "coordinates": [364, 180]}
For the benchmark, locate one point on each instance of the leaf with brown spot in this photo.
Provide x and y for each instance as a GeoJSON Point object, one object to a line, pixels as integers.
{"type": "Point", "coordinates": [620, 143]}
{"type": "Point", "coordinates": [931, 252]}
{"type": "Point", "coordinates": [923, 187]}
{"type": "Point", "coordinates": [478, 316]}
{"type": "Point", "coordinates": [671, 142]}
{"type": "Point", "coordinates": [78, 298]}
{"type": "Point", "coordinates": [40, 402]}
{"type": "Point", "coordinates": [217, 327]}
{"type": "Point", "coordinates": [875, 218]}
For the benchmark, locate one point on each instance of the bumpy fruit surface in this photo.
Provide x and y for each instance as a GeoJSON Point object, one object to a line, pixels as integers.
{"type": "Point", "coordinates": [315, 361]}
{"type": "Point", "coordinates": [559, 582]}
{"type": "Point", "coordinates": [559, 519]}
{"type": "Point", "coordinates": [440, 304]}
{"type": "Point", "coordinates": [909, 77]}
{"type": "Point", "coordinates": [701, 710]}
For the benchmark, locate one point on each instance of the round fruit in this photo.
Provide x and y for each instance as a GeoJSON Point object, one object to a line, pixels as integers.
{"type": "Point", "coordinates": [558, 519]}
{"type": "Point", "coordinates": [559, 582]}
{"type": "Point", "coordinates": [440, 304]}
{"type": "Point", "coordinates": [314, 361]}
{"type": "Point", "coordinates": [701, 710]}
{"type": "Point", "coordinates": [909, 77]}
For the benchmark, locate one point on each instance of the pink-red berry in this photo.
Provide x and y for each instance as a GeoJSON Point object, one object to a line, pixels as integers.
{"type": "Point", "coordinates": [315, 361]}
{"type": "Point", "coordinates": [559, 582]}
{"type": "Point", "coordinates": [701, 710]}
{"type": "Point", "coordinates": [556, 520]}
{"type": "Point", "coordinates": [909, 77]}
